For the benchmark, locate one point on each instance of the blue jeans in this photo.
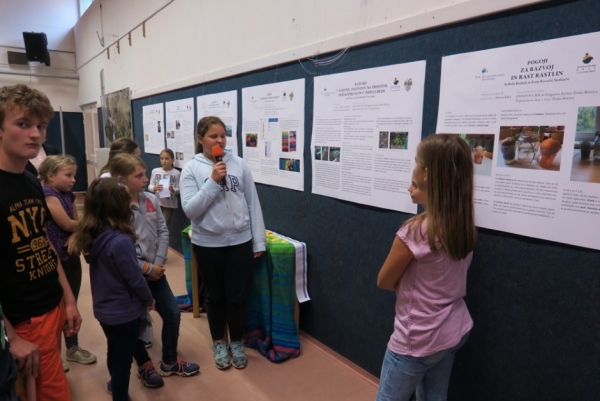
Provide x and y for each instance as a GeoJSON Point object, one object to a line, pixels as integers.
{"type": "Point", "coordinates": [167, 308]}
{"type": "Point", "coordinates": [121, 340]}
{"type": "Point", "coordinates": [429, 375]}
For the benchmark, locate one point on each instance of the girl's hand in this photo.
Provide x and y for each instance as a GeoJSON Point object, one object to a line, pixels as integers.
{"type": "Point", "coordinates": [70, 244]}
{"type": "Point", "coordinates": [158, 188]}
{"type": "Point", "coordinates": [171, 189]}
{"type": "Point", "coordinates": [219, 171]}
{"type": "Point", "coordinates": [153, 306]}
{"type": "Point", "coordinates": [158, 271]}
{"type": "Point", "coordinates": [258, 254]}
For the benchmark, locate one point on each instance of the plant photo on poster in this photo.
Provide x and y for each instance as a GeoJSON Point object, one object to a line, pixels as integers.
{"type": "Point", "coordinates": [531, 147]}
{"type": "Point", "coordinates": [586, 151]}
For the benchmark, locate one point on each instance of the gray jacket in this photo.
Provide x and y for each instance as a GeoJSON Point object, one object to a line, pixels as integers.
{"type": "Point", "coordinates": [153, 235]}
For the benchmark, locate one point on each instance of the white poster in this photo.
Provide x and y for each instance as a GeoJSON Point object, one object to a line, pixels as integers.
{"type": "Point", "coordinates": [224, 106]}
{"type": "Point", "coordinates": [273, 133]}
{"type": "Point", "coordinates": [531, 114]}
{"type": "Point", "coordinates": [154, 128]}
{"type": "Point", "coordinates": [180, 129]}
{"type": "Point", "coordinates": [366, 128]}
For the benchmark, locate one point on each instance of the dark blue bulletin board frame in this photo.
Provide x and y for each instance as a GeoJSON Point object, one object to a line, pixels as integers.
{"type": "Point", "coordinates": [534, 303]}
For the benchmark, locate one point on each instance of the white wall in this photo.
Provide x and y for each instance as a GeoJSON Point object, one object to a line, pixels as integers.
{"type": "Point", "coordinates": [61, 92]}
{"type": "Point", "coordinates": [56, 19]}
{"type": "Point", "coordinates": [190, 41]}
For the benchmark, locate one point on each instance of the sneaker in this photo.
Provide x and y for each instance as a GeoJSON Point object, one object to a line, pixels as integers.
{"type": "Point", "coordinates": [238, 356]}
{"type": "Point", "coordinates": [149, 377]}
{"type": "Point", "coordinates": [65, 365]}
{"type": "Point", "coordinates": [180, 368]}
{"type": "Point", "coordinates": [222, 358]}
{"type": "Point", "coordinates": [109, 389]}
{"type": "Point", "coordinates": [148, 344]}
{"type": "Point", "coordinates": [82, 356]}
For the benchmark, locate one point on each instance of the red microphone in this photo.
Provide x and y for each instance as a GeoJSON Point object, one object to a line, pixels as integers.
{"type": "Point", "coordinates": [218, 154]}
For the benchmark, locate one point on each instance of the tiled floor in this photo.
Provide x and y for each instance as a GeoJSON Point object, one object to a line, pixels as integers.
{"type": "Point", "coordinates": [317, 374]}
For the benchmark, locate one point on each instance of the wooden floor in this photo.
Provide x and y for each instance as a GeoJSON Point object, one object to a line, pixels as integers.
{"type": "Point", "coordinates": [317, 374]}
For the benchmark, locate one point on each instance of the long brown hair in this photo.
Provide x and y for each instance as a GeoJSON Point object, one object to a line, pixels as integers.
{"type": "Point", "coordinates": [449, 211]}
{"type": "Point", "coordinates": [120, 146]}
{"type": "Point", "coordinates": [106, 204]}
{"type": "Point", "coordinates": [202, 128]}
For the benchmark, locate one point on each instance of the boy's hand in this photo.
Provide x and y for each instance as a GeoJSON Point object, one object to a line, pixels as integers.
{"type": "Point", "coordinates": [171, 189]}
{"type": "Point", "coordinates": [158, 188]}
{"type": "Point", "coordinates": [73, 319]}
{"type": "Point", "coordinates": [27, 355]}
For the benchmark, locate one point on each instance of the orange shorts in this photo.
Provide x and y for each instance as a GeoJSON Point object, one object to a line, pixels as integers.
{"type": "Point", "coordinates": [45, 331]}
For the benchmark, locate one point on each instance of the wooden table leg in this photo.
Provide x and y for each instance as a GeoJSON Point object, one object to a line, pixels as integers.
{"type": "Point", "coordinates": [195, 301]}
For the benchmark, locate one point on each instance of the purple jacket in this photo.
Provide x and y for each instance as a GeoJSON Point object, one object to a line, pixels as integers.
{"type": "Point", "coordinates": [119, 290]}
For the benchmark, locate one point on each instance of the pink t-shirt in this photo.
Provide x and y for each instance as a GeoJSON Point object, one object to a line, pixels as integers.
{"type": "Point", "coordinates": [431, 314]}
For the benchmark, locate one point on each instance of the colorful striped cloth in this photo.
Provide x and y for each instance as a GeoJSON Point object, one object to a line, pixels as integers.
{"type": "Point", "coordinates": [186, 244]}
{"type": "Point", "coordinates": [270, 325]}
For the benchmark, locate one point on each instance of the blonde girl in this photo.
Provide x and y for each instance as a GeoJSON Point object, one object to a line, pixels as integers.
{"type": "Point", "coordinates": [152, 246]}
{"type": "Point", "coordinates": [427, 268]}
{"type": "Point", "coordinates": [57, 174]}
{"type": "Point", "coordinates": [167, 171]}
{"type": "Point", "coordinates": [120, 294]}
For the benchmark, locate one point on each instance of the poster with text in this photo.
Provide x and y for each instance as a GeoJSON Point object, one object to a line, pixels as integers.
{"type": "Point", "coordinates": [224, 106]}
{"type": "Point", "coordinates": [180, 129]}
{"type": "Point", "coordinates": [154, 128]}
{"type": "Point", "coordinates": [366, 128]}
{"type": "Point", "coordinates": [273, 133]}
{"type": "Point", "coordinates": [531, 114]}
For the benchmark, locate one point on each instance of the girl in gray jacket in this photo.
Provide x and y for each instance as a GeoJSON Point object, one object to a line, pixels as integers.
{"type": "Point", "coordinates": [228, 232]}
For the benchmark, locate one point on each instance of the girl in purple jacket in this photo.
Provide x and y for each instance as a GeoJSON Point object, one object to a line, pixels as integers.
{"type": "Point", "coordinates": [120, 292]}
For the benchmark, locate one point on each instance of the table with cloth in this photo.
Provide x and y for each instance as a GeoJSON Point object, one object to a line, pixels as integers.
{"type": "Point", "coordinates": [272, 322]}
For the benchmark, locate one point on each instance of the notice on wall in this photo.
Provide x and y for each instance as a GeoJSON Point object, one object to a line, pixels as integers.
{"type": "Point", "coordinates": [273, 133]}
{"type": "Point", "coordinates": [154, 128]}
{"type": "Point", "coordinates": [224, 106]}
{"type": "Point", "coordinates": [180, 130]}
{"type": "Point", "coordinates": [366, 128]}
{"type": "Point", "coordinates": [530, 114]}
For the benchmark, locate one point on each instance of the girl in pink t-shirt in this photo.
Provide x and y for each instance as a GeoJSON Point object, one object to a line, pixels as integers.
{"type": "Point", "coordinates": [427, 267]}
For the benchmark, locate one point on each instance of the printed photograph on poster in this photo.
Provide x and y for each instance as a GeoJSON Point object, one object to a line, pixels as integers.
{"type": "Point", "coordinates": [384, 139]}
{"type": "Point", "coordinates": [292, 139]}
{"type": "Point", "coordinates": [228, 131]}
{"type": "Point", "coordinates": [586, 152]}
{"type": "Point", "coordinates": [531, 147]}
{"type": "Point", "coordinates": [285, 141]}
{"type": "Point", "coordinates": [335, 154]}
{"type": "Point", "coordinates": [399, 140]}
{"type": "Point", "coordinates": [251, 140]}
{"type": "Point", "coordinates": [289, 165]}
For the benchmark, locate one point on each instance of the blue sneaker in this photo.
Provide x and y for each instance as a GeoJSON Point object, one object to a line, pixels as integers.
{"type": "Point", "coordinates": [238, 356]}
{"type": "Point", "coordinates": [222, 358]}
{"type": "Point", "coordinates": [109, 389]}
{"type": "Point", "coordinates": [149, 377]}
{"type": "Point", "coordinates": [179, 368]}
